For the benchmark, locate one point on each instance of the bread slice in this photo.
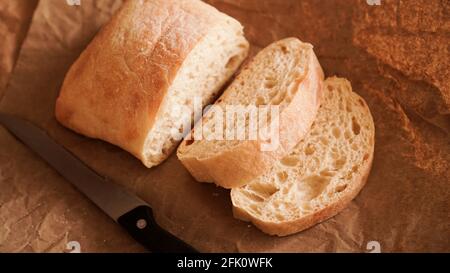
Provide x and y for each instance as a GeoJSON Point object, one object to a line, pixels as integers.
{"type": "Point", "coordinates": [286, 74]}
{"type": "Point", "coordinates": [149, 61]}
{"type": "Point", "coordinates": [322, 174]}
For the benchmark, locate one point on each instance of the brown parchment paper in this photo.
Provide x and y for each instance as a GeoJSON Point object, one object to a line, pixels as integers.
{"type": "Point", "coordinates": [395, 55]}
{"type": "Point", "coordinates": [15, 18]}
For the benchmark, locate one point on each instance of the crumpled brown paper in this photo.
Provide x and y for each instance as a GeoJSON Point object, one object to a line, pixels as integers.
{"type": "Point", "coordinates": [404, 206]}
{"type": "Point", "coordinates": [15, 18]}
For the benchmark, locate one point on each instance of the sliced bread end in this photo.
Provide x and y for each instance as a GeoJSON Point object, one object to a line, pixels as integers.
{"type": "Point", "coordinates": [324, 172]}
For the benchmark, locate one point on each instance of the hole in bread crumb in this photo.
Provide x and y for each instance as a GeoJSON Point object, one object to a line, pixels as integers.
{"type": "Point", "coordinates": [277, 100]}
{"type": "Point", "coordinates": [355, 169]}
{"type": "Point", "coordinates": [264, 189]}
{"type": "Point", "coordinates": [327, 173]}
{"type": "Point", "coordinates": [284, 49]}
{"type": "Point", "coordinates": [272, 93]}
{"type": "Point", "coordinates": [282, 176]}
{"type": "Point", "coordinates": [349, 107]}
{"type": "Point", "coordinates": [309, 150]}
{"type": "Point", "coordinates": [313, 186]}
{"type": "Point", "coordinates": [270, 82]}
{"type": "Point", "coordinates": [356, 128]}
{"type": "Point", "coordinates": [260, 101]}
{"type": "Point", "coordinates": [338, 164]}
{"type": "Point", "coordinates": [306, 207]}
{"type": "Point", "coordinates": [232, 62]}
{"type": "Point", "coordinates": [276, 204]}
{"type": "Point", "coordinates": [289, 161]}
{"type": "Point", "coordinates": [347, 134]}
{"type": "Point", "coordinates": [324, 140]}
{"type": "Point", "coordinates": [341, 188]}
{"type": "Point", "coordinates": [189, 142]}
{"type": "Point", "coordinates": [336, 132]}
{"type": "Point", "coordinates": [366, 156]}
{"type": "Point", "coordinates": [361, 102]}
{"type": "Point", "coordinates": [254, 197]}
{"type": "Point", "coordinates": [330, 88]}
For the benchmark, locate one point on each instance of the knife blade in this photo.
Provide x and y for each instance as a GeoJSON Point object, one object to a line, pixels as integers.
{"type": "Point", "coordinates": [131, 212]}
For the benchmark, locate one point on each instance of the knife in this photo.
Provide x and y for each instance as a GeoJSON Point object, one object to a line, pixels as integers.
{"type": "Point", "coordinates": [132, 213]}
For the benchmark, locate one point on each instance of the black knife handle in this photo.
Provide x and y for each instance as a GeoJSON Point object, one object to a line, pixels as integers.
{"type": "Point", "coordinates": [141, 225]}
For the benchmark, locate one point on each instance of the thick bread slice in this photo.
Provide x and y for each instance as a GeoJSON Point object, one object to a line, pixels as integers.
{"type": "Point", "coordinates": [323, 173]}
{"type": "Point", "coordinates": [152, 58]}
{"type": "Point", "coordinates": [286, 74]}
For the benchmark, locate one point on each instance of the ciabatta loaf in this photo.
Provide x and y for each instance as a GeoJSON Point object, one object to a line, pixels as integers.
{"type": "Point", "coordinates": [152, 58]}
{"type": "Point", "coordinates": [285, 75]}
{"type": "Point", "coordinates": [322, 174]}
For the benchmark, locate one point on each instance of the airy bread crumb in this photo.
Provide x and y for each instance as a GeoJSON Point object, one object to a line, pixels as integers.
{"type": "Point", "coordinates": [323, 173]}
{"type": "Point", "coordinates": [286, 74]}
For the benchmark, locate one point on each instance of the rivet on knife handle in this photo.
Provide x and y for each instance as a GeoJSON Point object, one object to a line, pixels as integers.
{"type": "Point", "coordinates": [143, 228]}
